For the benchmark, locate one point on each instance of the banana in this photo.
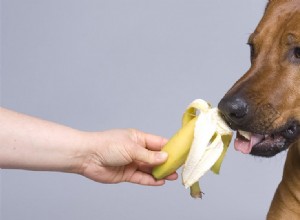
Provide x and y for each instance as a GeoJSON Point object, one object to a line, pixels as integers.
{"type": "Point", "coordinates": [201, 144]}
{"type": "Point", "coordinates": [179, 145]}
{"type": "Point", "coordinates": [177, 148]}
{"type": "Point", "coordinates": [195, 191]}
{"type": "Point", "coordinates": [207, 146]}
{"type": "Point", "coordinates": [226, 139]}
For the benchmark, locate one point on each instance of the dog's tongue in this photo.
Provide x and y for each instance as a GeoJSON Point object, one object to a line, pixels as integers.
{"type": "Point", "coordinates": [245, 146]}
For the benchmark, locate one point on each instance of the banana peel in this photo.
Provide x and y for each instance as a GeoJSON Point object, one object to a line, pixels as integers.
{"type": "Point", "coordinates": [177, 148]}
{"type": "Point", "coordinates": [201, 144]}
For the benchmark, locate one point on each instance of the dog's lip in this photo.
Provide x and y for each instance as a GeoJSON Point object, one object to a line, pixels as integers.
{"type": "Point", "coordinates": [270, 146]}
{"type": "Point", "coordinates": [265, 145]}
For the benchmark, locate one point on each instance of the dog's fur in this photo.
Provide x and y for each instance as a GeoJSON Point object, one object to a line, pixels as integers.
{"type": "Point", "coordinates": [270, 89]}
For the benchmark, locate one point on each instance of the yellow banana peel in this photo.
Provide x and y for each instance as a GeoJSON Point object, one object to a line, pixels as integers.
{"type": "Point", "coordinates": [200, 145]}
{"type": "Point", "coordinates": [177, 148]}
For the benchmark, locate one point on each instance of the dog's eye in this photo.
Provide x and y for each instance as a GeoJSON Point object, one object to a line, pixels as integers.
{"type": "Point", "coordinates": [297, 52]}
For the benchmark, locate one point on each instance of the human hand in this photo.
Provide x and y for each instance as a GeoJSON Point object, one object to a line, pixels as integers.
{"type": "Point", "coordinates": [112, 156]}
{"type": "Point", "coordinates": [124, 155]}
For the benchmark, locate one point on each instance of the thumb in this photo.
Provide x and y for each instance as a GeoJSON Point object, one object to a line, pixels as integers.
{"type": "Point", "coordinates": [147, 156]}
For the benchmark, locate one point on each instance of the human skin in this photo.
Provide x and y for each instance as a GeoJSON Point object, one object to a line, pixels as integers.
{"type": "Point", "coordinates": [113, 156]}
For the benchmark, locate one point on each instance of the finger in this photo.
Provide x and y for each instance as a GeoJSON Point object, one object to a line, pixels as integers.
{"type": "Point", "coordinates": [151, 141]}
{"type": "Point", "coordinates": [148, 170]}
{"type": "Point", "coordinates": [173, 176]}
{"type": "Point", "coordinates": [145, 168]}
{"type": "Point", "coordinates": [145, 179]}
{"type": "Point", "coordinates": [144, 155]}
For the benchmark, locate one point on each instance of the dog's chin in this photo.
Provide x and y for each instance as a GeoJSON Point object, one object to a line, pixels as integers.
{"type": "Point", "coordinates": [267, 144]}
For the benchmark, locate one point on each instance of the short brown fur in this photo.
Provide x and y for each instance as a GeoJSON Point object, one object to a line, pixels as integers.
{"type": "Point", "coordinates": [272, 86]}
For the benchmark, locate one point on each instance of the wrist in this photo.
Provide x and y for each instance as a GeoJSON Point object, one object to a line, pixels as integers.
{"type": "Point", "coordinates": [71, 154]}
{"type": "Point", "coordinates": [86, 151]}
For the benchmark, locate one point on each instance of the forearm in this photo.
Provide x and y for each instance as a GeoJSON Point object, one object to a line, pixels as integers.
{"type": "Point", "coordinates": [33, 144]}
{"type": "Point", "coordinates": [108, 157]}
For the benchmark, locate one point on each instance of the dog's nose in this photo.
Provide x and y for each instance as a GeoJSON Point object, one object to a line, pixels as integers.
{"type": "Point", "coordinates": [234, 108]}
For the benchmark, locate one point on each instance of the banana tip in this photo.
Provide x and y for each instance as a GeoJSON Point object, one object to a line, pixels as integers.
{"type": "Point", "coordinates": [197, 195]}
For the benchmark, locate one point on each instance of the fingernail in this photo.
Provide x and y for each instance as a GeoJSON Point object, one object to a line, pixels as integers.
{"type": "Point", "coordinates": [161, 156]}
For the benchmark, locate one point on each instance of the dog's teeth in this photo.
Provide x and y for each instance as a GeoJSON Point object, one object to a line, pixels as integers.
{"type": "Point", "coordinates": [245, 134]}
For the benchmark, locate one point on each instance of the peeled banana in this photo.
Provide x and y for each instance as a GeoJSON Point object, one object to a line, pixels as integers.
{"type": "Point", "coordinates": [199, 145]}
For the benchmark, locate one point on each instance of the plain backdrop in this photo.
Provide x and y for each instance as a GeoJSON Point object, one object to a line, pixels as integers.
{"type": "Point", "coordinates": [101, 64]}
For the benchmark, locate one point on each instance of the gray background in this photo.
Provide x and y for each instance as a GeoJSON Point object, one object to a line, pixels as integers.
{"type": "Point", "coordinates": [96, 65]}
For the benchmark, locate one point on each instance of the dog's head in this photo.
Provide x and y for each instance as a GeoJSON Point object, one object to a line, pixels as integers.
{"type": "Point", "coordinates": [265, 102]}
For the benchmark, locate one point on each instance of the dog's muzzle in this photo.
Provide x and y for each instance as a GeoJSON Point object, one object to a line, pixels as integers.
{"type": "Point", "coordinates": [255, 134]}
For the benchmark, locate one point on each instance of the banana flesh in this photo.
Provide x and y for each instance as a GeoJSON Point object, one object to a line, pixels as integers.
{"type": "Point", "coordinates": [200, 145]}
{"type": "Point", "coordinates": [207, 146]}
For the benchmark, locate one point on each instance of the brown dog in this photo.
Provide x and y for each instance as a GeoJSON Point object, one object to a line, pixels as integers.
{"type": "Point", "coordinates": [265, 102]}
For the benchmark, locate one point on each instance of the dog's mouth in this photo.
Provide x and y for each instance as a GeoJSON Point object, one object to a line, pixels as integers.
{"type": "Point", "coordinates": [269, 144]}
{"type": "Point", "coordinates": [266, 145]}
